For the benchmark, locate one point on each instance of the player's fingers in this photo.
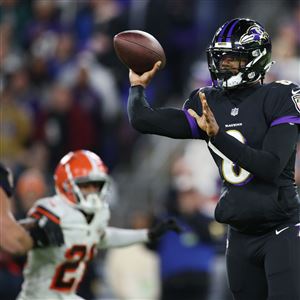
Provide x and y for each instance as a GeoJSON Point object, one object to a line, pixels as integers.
{"type": "Point", "coordinates": [203, 101]}
{"type": "Point", "coordinates": [207, 117]}
{"type": "Point", "coordinates": [131, 72]}
{"type": "Point", "coordinates": [157, 64]}
{"type": "Point", "coordinates": [202, 97]}
{"type": "Point", "coordinates": [156, 67]}
{"type": "Point", "coordinates": [193, 114]}
{"type": "Point", "coordinates": [205, 106]}
{"type": "Point", "coordinates": [206, 110]}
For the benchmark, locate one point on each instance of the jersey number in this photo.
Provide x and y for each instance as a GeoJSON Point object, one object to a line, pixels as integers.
{"type": "Point", "coordinates": [75, 264]}
{"type": "Point", "coordinates": [231, 172]}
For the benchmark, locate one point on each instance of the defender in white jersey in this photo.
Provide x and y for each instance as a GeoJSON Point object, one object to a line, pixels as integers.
{"type": "Point", "coordinates": [80, 209]}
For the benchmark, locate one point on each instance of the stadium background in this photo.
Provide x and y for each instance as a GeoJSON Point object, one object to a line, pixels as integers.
{"type": "Point", "coordinates": [62, 88]}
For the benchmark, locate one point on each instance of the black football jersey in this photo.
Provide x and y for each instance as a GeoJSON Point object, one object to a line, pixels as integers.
{"type": "Point", "coordinates": [248, 203]}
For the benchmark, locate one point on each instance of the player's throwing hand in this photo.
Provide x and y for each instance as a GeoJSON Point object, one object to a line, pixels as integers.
{"type": "Point", "coordinates": [207, 121]}
{"type": "Point", "coordinates": [145, 78]}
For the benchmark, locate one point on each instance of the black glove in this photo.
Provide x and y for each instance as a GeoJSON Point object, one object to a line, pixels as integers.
{"type": "Point", "coordinates": [46, 233]}
{"type": "Point", "coordinates": [162, 227]}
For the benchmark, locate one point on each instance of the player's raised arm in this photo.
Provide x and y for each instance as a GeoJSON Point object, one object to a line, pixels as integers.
{"type": "Point", "coordinates": [170, 122]}
{"type": "Point", "coordinates": [119, 237]}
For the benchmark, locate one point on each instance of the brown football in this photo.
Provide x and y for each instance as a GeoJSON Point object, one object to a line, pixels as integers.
{"type": "Point", "coordinates": [138, 50]}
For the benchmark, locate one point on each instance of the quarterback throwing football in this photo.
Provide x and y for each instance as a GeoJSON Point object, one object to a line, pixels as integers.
{"type": "Point", "coordinates": [251, 130]}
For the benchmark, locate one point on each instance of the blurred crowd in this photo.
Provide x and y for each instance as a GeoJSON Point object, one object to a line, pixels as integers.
{"type": "Point", "coordinates": [63, 88]}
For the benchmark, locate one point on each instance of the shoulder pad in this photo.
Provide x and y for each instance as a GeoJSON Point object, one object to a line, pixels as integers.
{"type": "Point", "coordinates": [48, 207]}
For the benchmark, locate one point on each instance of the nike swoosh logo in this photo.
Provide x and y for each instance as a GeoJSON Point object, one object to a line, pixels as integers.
{"type": "Point", "coordinates": [295, 91]}
{"type": "Point", "coordinates": [279, 231]}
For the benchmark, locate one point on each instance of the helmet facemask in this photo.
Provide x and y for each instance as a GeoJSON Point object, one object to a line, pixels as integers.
{"type": "Point", "coordinates": [93, 201]}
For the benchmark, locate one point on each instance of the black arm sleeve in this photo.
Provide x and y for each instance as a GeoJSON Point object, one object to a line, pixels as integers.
{"type": "Point", "coordinates": [268, 163]}
{"type": "Point", "coordinates": [169, 122]}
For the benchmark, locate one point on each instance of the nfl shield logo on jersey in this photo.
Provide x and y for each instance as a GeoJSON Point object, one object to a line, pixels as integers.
{"type": "Point", "coordinates": [234, 111]}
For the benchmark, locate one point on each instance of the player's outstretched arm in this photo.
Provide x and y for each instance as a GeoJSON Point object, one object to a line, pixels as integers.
{"type": "Point", "coordinates": [117, 237]}
{"type": "Point", "coordinates": [13, 237]}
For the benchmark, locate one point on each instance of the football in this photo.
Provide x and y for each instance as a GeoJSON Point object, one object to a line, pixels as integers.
{"type": "Point", "coordinates": [138, 50]}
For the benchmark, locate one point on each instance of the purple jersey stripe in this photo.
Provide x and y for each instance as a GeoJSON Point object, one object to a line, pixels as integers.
{"type": "Point", "coordinates": [193, 124]}
{"type": "Point", "coordinates": [222, 32]}
{"type": "Point", "coordinates": [286, 119]}
{"type": "Point", "coordinates": [230, 31]}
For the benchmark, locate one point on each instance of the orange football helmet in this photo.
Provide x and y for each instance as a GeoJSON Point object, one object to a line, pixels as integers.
{"type": "Point", "coordinates": [77, 168]}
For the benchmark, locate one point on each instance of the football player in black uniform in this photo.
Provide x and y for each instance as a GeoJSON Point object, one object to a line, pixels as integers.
{"type": "Point", "coordinates": [251, 130]}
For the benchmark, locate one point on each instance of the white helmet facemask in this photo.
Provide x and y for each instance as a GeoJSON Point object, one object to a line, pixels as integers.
{"type": "Point", "coordinates": [94, 201]}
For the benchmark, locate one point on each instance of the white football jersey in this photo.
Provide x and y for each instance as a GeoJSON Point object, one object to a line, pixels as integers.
{"type": "Point", "coordinates": [55, 272]}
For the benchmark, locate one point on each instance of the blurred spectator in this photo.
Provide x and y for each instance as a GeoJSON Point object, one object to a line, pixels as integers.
{"type": "Point", "coordinates": [65, 125]}
{"type": "Point", "coordinates": [98, 78]}
{"type": "Point", "coordinates": [24, 94]}
{"type": "Point", "coordinates": [45, 20]}
{"type": "Point", "coordinates": [63, 54]}
{"type": "Point", "coordinates": [95, 91]}
{"type": "Point", "coordinates": [10, 57]}
{"type": "Point", "coordinates": [15, 129]}
{"type": "Point", "coordinates": [37, 156]}
{"type": "Point", "coordinates": [31, 185]}
{"type": "Point", "coordinates": [186, 260]}
{"type": "Point", "coordinates": [10, 275]}
{"type": "Point", "coordinates": [133, 272]}
{"type": "Point", "coordinates": [286, 49]}
{"type": "Point", "coordinates": [205, 177]}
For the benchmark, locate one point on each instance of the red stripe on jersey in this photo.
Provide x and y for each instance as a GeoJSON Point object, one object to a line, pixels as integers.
{"type": "Point", "coordinates": [35, 215]}
{"type": "Point", "coordinates": [48, 214]}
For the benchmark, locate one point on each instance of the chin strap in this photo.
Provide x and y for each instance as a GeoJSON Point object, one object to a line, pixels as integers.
{"type": "Point", "coordinates": [269, 65]}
